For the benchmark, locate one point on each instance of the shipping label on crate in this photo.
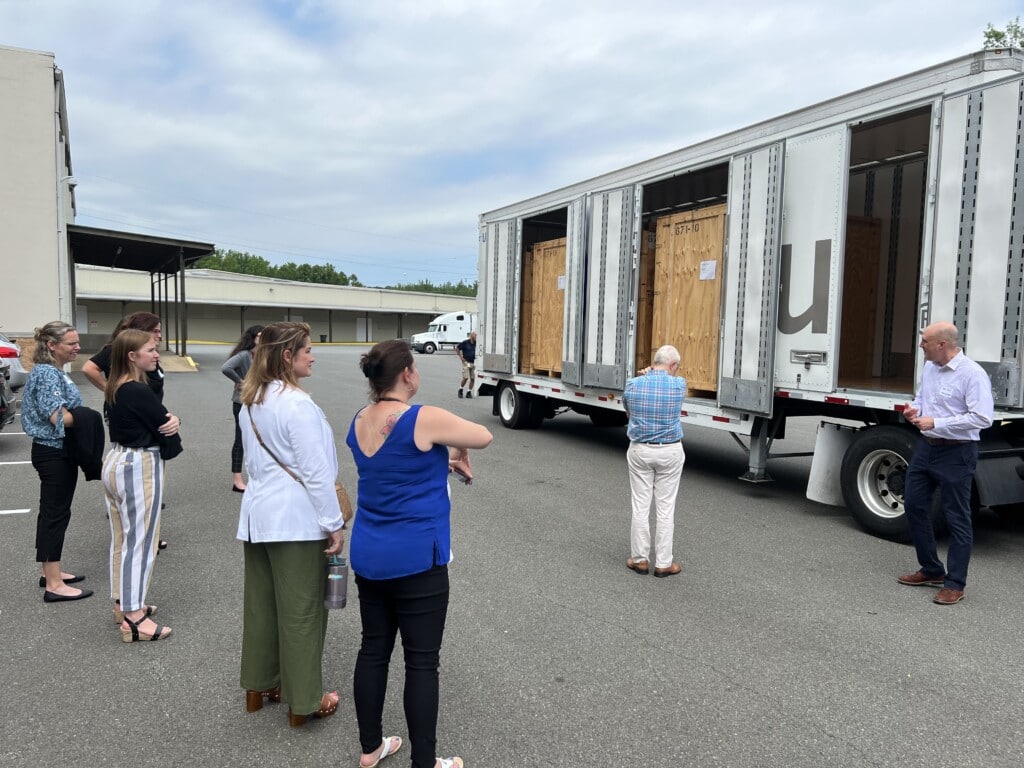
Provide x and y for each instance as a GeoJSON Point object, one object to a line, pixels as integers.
{"type": "Point", "coordinates": [708, 270]}
{"type": "Point", "coordinates": [561, 282]}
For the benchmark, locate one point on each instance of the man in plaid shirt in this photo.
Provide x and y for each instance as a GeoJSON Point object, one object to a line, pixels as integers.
{"type": "Point", "coordinates": [653, 401]}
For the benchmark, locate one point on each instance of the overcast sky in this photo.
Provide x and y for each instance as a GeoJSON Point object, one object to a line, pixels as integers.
{"type": "Point", "coordinates": [372, 134]}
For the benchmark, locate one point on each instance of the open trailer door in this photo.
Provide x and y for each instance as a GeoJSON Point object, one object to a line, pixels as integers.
{"type": "Point", "coordinates": [747, 370]}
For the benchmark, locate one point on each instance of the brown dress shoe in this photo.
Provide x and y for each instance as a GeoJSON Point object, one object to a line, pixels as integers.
{"type": "Point", "coordinates": [640, 566]}
{"type": "Point", "coordinates": [672, 570]}
{"type": "Point", "coordinates": [920, 580]}
{"type": "Point", "coordinates": [947, 596]}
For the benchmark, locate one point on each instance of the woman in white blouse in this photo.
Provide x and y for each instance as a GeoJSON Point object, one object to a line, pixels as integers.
{"type": "Point", "coordinates": [290, 518]}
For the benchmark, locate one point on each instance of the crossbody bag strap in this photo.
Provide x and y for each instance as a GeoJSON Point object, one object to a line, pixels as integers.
{"type": "Point", "coordinates": [259, 437]}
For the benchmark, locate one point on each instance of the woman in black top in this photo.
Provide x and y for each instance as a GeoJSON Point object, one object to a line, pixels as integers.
{"type": "Point", "coordinates": [97, 367]}
{"type": "Point", "coordinates": [133, 476]}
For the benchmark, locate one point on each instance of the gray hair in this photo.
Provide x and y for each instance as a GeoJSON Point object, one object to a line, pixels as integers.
{"type": "Point", "coordinates": [666, 355]}
{"type": "Point", "coordinates": [55, 332]}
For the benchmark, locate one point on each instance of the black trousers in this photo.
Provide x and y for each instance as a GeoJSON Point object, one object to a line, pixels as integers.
{"type": "Point", "coordinates": [236, 447]}
{"type": "Point", "coordinates": [58, 478]}
{"type": "Point", "coordinates": [417, 606]}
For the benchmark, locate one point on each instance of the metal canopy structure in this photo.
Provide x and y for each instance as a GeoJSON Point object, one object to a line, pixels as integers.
{"type": "Point", "coordinates": [166, 260]}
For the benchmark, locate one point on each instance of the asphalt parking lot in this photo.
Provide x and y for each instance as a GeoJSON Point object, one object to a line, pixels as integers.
{"type": "Point", "coordinates": [786, 641]}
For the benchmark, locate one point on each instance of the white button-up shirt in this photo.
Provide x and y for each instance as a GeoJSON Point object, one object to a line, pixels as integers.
{"type": "Point", "coordinates": [275, 507]}
{"type": "Point", "coordinates": [958, 395]}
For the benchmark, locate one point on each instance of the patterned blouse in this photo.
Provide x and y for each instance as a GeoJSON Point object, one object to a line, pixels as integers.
{"type": "Point", "coordinates": [47, 389]}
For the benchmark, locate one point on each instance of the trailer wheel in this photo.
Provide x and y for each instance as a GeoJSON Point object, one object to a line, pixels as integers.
{"type": "Point", "coordinates": [429, 348]}
{"type": "Point", "coordinates": [873, 479]}
{"type": "Point", "coordinates": [515, 409]}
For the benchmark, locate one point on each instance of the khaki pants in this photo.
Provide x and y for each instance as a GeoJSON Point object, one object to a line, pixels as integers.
{"type": "Point", "coordinates": [284, 621]}
{"type": "Point", "coordinates": [654, 472]}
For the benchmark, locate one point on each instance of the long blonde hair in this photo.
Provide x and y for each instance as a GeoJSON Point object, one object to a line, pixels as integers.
{"type": "Point", "coordinates": [121, 365]}
{"type": "Point", "coordinates": [268, 361]}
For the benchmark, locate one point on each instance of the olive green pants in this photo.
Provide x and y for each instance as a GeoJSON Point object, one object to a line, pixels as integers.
{"type": "Point", "coordinates": [284, 621]}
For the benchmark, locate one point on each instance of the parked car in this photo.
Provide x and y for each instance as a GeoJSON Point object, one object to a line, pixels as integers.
{"type": "Point", "coordinates": [7, 407]}
{"type": "Point", "coordinates": [10, 352]}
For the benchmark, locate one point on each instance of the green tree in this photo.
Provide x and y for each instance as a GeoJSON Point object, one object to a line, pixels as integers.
{"type": "Point", "coordinates": [1011, 37]}
{"type": "Point", "coordinates": [461, 288]}
{"type": "Point", "coordinates": [250, 264]}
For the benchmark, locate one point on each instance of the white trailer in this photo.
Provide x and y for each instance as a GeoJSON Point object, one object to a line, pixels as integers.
{"type": "Point", "coordinates": [447, 330]}
{"type": "Point", "coordinates": [847, 227]}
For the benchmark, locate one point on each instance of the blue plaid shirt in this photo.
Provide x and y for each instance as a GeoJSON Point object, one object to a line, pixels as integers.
{"type": "Point", "coordinates": [654, 402]}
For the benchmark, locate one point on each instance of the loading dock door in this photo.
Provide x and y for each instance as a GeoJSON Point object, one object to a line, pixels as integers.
{"type": "Point", "coordinates": [498, 292]}
{"type": "Point", "coordinates": [810, 272]}
{"type": "Point", "coordinates": [751, 279]}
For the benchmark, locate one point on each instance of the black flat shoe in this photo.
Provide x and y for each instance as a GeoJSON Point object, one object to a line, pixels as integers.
{"type": "Point", "coordinates": [54, 597]}
{"type": "Point", "coordinates": [72, 580]}
{"type": "Point", "coordinates": [161, 544]}
{"type": "Point", "coordinates": [236, 489]}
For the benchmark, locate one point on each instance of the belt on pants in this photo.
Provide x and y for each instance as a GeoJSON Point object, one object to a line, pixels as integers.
{"type": "Point", "coordinates": [944, 441]}
{"type": "Point", "coordinates": [670, 442]}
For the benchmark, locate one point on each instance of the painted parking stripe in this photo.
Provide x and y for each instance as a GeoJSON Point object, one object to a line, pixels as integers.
{"type": "Point", "coordinates": [14, 511]}
{"type": "Point", "coordinates": [7, 463]}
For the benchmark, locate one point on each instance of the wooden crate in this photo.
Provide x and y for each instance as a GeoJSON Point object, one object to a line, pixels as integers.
{"type": "Point", "coordinates": [540, 338]}
{"type": "Point", "coordinates": [860, 300]}
{"type": "Point", "coordinates": [687, 307]}
{"type": "Point", "coordinates": [645, 302]}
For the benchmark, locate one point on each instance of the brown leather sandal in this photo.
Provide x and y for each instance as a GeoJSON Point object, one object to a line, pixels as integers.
{"type": "Point", "coordinates": [254, 699]}
{"type": "Point", "coordinates": [328, 707]}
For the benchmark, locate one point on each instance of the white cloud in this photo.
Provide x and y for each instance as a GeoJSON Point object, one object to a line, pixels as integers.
{"type": "Point", "coordinates": [373, 134]}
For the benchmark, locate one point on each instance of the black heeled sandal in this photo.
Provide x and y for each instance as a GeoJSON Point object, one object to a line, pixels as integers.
{"type": "Point", "coordinates": [119, 614]}
{"type": "Point", "coordinates": [133, 635]}
{"type": "Point", "coordinates": [254, 699]}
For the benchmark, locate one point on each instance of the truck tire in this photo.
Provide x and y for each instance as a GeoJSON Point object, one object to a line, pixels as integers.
{"type": "Point", "coordinates": [516, 410]}
{"type": "Point", "coordinates": [429, 348]}
{"type": "Point", "coordinates": [873, 478]}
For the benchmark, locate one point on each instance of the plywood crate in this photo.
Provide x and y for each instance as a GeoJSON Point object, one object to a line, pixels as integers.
{"type": "Point", "coordinates": [860, 299]}
{"type": "Point", "coordinates": [645, 302]}
{"type": "Point", "coordinates": [543, 303]}
{"type": "Point", "coordinates": [689, 253]}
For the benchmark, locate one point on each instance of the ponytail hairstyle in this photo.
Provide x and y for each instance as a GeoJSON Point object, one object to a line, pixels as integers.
{"type": "Point", "coordinates": [248, 340]}
{"type": "Point", "coordinates": [383, 365]}
{"type": "Point", "coordinates": [55, 332]}
{"type": "Point", "coordinates": [268, 360]}
{"type": "Point", "coordinates": [121, 365]}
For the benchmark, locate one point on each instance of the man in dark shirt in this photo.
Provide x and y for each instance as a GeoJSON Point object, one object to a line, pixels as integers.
{"type": "Point", "coordinates": [466, 350]}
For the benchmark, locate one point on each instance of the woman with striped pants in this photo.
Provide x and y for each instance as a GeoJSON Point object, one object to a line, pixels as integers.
{"type": "Point", "coordinates": [133, 474]}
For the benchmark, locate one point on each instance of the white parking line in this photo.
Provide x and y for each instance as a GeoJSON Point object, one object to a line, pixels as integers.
{"type": "Point", "coordinates": [5, 463]}
{"type": "Point", "coordinates": [14, 511]}
{"type": "Point", "coordinates": [12, 433]}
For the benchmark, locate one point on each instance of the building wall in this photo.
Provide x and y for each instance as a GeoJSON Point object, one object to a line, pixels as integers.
{"type": "Point", "coordinates": [221, 305]}
{"type": "Point", "coordinates": [34, 195]}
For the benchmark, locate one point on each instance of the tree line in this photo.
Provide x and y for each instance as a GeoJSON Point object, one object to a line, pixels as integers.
{"type": "Point", "coordinates": [243, 263]}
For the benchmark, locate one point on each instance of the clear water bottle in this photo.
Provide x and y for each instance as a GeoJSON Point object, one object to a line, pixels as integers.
{"type": "Point", "coordinates": [336, 588]}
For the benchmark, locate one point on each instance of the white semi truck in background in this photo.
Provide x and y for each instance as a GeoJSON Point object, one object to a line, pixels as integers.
{"type": "Point", "coordinates": [793, 264]}
{"type": "Point", "coordinates": [445, 330]}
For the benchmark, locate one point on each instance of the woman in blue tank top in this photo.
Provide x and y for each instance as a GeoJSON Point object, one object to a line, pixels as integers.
{"type": "Point", "coordinates": [401, 546]}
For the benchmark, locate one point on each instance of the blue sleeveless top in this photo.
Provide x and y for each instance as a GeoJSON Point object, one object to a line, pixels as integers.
{"type": "Point", "coordinates": [402, 523]}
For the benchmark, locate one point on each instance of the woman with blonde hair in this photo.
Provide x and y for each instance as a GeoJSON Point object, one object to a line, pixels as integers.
{"type": "Point", "coordinates": [46, 404]}
{"type": "Point", "coordinates": [133, 476]}
{"type": "Point", "coordinates": [290, 518]}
